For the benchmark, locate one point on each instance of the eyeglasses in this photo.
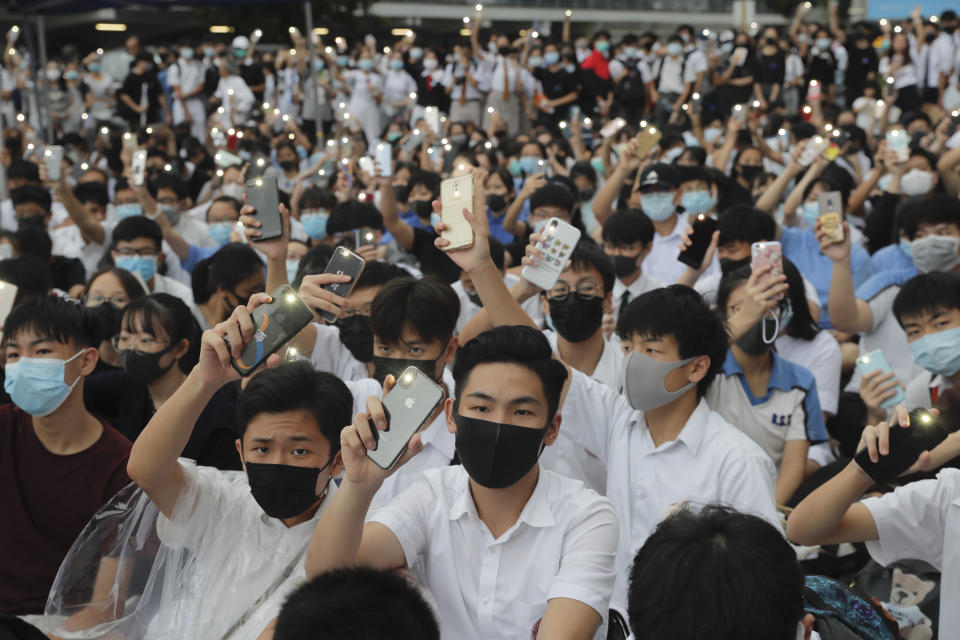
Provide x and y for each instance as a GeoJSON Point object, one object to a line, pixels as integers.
{"type": "Point", "coordinates": [585, 290]}
{"type": "Point", "coordinates": [146, 345]}
{"type": "Point", "coordinates": [362, 310]}
{"type": "Point", "coordinates": [95, 301]}
{"type": "Point", "coordinates": [148, 252]}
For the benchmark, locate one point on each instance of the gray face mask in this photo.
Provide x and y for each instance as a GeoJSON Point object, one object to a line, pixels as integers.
{"type": "Point", "coordinates": [643, 379]}
{"type": "Point", "coordinates": [935, 253]}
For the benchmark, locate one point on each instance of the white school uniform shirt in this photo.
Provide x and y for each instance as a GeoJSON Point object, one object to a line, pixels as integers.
{"type": "Point", "coordinates": [468, 309]}
{"type": "Point", "coordinates": [239, 552]}
{"type": "Point", "coordinates": [711, 461]}
{"type": "Point", "coordinates": [635, 289]}
{"type": "Point", "coordinates": [886, 334]}
{"type": "Point", "coordinates": [823, 358]}
{"type": "Point", "coordinates": [331, 355]}
{"type": "Point", "coordinates": [166, 284]}
{"type": "Point", "coordinates": [671, 75]}
{"type": "Point", "coordinates": [920, 521]}
{"type": "Point", "coordinates": [562, 546]}
{"type": "Point", "coordinates": [397, 86]}
{"type": "Point", "coordinates": [924, 390]}
{"type": "Point", "coordinates": [943, 54]}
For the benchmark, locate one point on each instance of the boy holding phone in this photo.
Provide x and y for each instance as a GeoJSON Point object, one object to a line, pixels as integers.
{"type": "Point", "coordinates": [496, 535]}
{"type": "Point", "coordinates": [627, 240]}
{"type": "Point", "coordinates": [289, 417]}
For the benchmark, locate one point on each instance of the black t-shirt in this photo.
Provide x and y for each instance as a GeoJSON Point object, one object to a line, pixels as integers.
{"type": "Point", "coordinates": [556, 84]}
{"type": "Point", "coordinates": [770, 69]}
{"type": "Point", "coordinates": [860, 64]}
{"type": "Point", "coordinates": [433, 262]}
{"type": "Point", "coordinates": [126, 404]}
{"type": "Point", "coordinates": [133, 87]}
{"type": "Point", "coordinates": [252, 74]}
{"type": "Point", "coordinates": [822, 67]}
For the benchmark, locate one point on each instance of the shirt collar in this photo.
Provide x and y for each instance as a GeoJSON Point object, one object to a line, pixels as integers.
{"type": "Point", "coordinates": [536, 513]}
{"type": "Point", "coordinates": [780, 375]}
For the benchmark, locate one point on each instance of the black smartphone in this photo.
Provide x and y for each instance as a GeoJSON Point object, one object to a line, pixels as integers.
{"type": "Point", "coordinates": [274, 324]}
{"type": "Point", "coordinates": [263, 196]}
{"type": "Point", "coordinates": [343, 262]}
{"type": "Point", "coordinates": [925, 433]}
{"type": "Point", "coordinates": [703, 228]}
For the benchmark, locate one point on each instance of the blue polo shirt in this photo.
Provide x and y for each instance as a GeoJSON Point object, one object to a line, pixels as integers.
{"type": "Point", "coordinates": [890, 258]}
{"type": "Point", "coordinates": [800, 246]}
{"type": "Point", "coordinates": [789, 410]}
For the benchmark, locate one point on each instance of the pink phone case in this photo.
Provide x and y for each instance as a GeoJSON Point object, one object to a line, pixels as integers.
{"type": "Point", "coordinates": [765, 254]}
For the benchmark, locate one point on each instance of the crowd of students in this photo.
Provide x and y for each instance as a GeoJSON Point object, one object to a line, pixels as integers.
{"type": "Point", "coordinates": [616, 455]}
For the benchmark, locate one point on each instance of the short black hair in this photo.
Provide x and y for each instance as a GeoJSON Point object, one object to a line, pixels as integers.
{"type": "Point", "coordinates": [628, 226]}
{"type": "Point", "coordinates": [588, 255]}
{"type": "Point", "coordinates": [584, 169]}
{"type": "Point", "coordinates": [23, 170]}
{"type": "Point", "coordinates": [317, 198]}
{"type": "Point", "coordinates": [314, 261]}
{"type": "Point", "coordinates": [230, 200]}
{"type": "Point", "coordinates": [172, 181]}
{"type": "Point", "coordinates": [431, 180]}
{"type": "Point", "coordinates": [336, 604]}
{"type": "Point", "coordinates": [30, 274]}
{"type": "Point", "coordinates": [937, 208]}
{"type": "Point", "coordinates": [293, 386]}
{"type": "Point", "coordinates": [680, 312]}
{"type": "Point", "coordinates": [715, 574]}
{"type": "Point", "coordinates": [353, 214]}
{"type": "Point", "coordinates": [554, 195]}
{"type": "Point", "coordinates": [62, 319]}
{"type": "Point", "coordinates": [31, 193]}
{"type": "Point", "coordinates": [137, 227]}
{"type": "Point", "coordinates": [689, 174]}
{"type": "Point", "coordinates": [926, 293]}
{"type": "Point", "coordinates": [497, 253]}
{"type": "Point", "coordinates": [229, 266]}
{"type": "Point", "coordinates": [34, 241]}
{"type": "Point", "coordinates": [378, 272]}
{"type": "Point", "coordinates": [162, 313]}
{"type": "Point", "coordinates": [428, 306]}
{"type": "Point", "coordinates": [92, 192]}
{"type": "Point", "coordinates": [524, 346]}
{"type": "Point", "coordinates": [745, 223]}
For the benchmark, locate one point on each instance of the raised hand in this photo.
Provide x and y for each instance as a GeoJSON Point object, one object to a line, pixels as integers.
{"type": "Point", "coordinates": [220, 345]}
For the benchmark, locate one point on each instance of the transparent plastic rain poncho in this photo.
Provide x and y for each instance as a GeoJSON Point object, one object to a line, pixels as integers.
{"type": "Point", "coordinates": [199, 574]}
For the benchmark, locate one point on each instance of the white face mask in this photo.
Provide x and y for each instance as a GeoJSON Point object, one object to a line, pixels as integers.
{"type": "Point", "coordinates": [916, 182]}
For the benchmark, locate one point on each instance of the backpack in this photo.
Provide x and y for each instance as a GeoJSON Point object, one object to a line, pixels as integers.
{"type": "Point", "coordinates": [630, 89]}
{"type": "Point", "coordinates": [909, 590]}
{"type": "Point", "coordinates": [842, 614]}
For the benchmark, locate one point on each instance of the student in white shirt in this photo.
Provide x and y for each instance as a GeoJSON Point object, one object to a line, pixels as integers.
{"type": "Point", "coordinates": [627, 239]}
{"type": "Point", "coordinates": [185, 78]}
{"type": "Point", "coordinates": [172, 199]}
{"type": "Point", "coordinates": [507, 549]}
{"type": "Point", "coordinates": [289, 418]}
{"type": "Point", "coordinates": [919, 520]}
{"type": "Point", "coordinates": [674, 448]}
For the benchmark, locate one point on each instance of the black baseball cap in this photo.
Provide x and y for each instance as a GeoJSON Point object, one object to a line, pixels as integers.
{"type": "Point", "coordinates": [659, 175]}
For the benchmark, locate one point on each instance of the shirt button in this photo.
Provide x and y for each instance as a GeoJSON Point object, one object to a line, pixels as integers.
{"type": "Point", "coordinates": [485, 602]}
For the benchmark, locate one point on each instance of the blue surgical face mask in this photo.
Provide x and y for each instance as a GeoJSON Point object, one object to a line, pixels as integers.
{"type": "Point", "coordinates": [187, 54]}
{"type": "Point", "coordinates": [315, 224]}
{"type": "Point", "coordinates": [570, 68]}
{"type": "Point", "coordinates": [36, 385]}
{"type": "Point", "coordinates": [416, 53]}
{"type": "Point", "coordinates": [516, 168]}
{"type": "Point", "coordinates": [697, 202]}
{"type": "Point", "coordinates": [396, 64]}
{"type": "Point", "coordinates": [726, 47]}
{"type": "Point", "coordinates": [128, 210]}
{"type": "Point", "coordinates": [343, 61]}
{"type": "Point", "coordinates": [94, 67]}
{"type": "Point", "coordinates": [674, 49]}
{"type": "Point", "coordinates": [209, 52]}
{"type": "Point", "coordinates": [884, 182]}
{"type": "Point", "coordinates": [530, 164]}
{"type": "Point", "coordinates": [906, 246]}
{"type": "Point", "coordinates": [810, 212]}
{"type": "Point", "coordinates": [938, 353]}
{"type": "Point", "coordinates": [366, 64]}
{"type": "Point", "coordinates": [146, 266]}
{"type": "Point", "coordinates": [672, 154]}
{"type": "Point", "coordinates": [318, 65]}
{"type": "Point", "coordinates": [823, 44]}
{"type": "Point", "coordinates": [597, 164]}
{"type": "Point", "coordinates": [220, 232]}
{"type": "Point", "coordinates": [551, 58]}
{"type": "Point", "coordinates": [710, 134]}
{"type": "Point", "coordinates": [292, 266]}
{"type": "Point", "coordinates": [535, 61]}
{"type": "Point", "coordinates": [71, 75]}
{"type": "Point", "coordinates": [393, 136]}
{"type": "Point", "coordinates": [658, 206]}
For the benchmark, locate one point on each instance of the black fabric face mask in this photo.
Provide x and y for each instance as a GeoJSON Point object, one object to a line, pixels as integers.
{"type": "Point", "coordinates": [395, 366]}
{"type": "Point", "coordinates": [474, 298]}
{"type": "Point", "coordinates": [143, 367]}
{"type": "Point", "coordinates": [586, 194]}
{"type": "Point", "coordinates": [282, 490]}
{"type": "Point", "coordinates": [110, 317]}
{"type": "Point", "coordinates": [423, 208]}
{"type": "Point", "coordinates": [496, 202]}
{"type": "Point", "coordinates": [356, 335]}
{"type": "Point", "coordinates": [625, 266]}
{"type": "Point", "coordinates": [35, 222]}
{"type": "Point", "coordinates": [752, 341]}
{"type": "Point", "coordinates": [728, 265]}
{"type": "Point", "coordinates": [577, 319]}
{"type": "Point", "coordinates": [749, 171]}
{"type": "Point", "coordinates": [497, 455]}
{"type": "Point", "coordinates": [288, 165]}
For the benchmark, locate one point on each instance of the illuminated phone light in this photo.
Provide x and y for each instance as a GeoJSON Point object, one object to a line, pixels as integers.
{"type": "Point", "coordinates": [149, 131]}
{"type": "Point", "coordinates": [328, 50]}
{"type": "Point", "coordinates": [756, 104]}
{"type": "Point", "coordinates": [220, 110]}
{"type": "Point", "coordinates": [807, 109]}
{"type": "Point", "coordinates": [99, 52]}
{"type": "Point", "coordinates": [30, 147]}
{"type": "Point", "coordinates": [466, 20]}
{"type": "Point", "coordinates": [738, 108]}
{"type": "Point", "coordinates": [568, 13]}
{"type": "Point", "coordinates": [266, 106]}
{"type": "Point", "coordinates": [490, 109]}
{"type": "Point", "coordinates": [443, 141]}
{"type": "Point", "coordinates": [447, 147]}
{"type": "Point", "coordinates": [84, 116]}
{"type": "Point", "coordinates": [291, 298]}
{"type": "Point", "coordinates": [828, 127]}
{"type": "Point", "coordinates": [229, 92]}
{"type": "Point", "coordinates": [781, 132]}
{"type": "Point", "coordinates": [219, 173]}
{"type": "Point", "coordinates": [879, 103]}
{"type": "Point", "coordinates": [21, 118]}
{"type": "Point", "coordinates": [342, 105]}
{"type": "Point", "coordinates": [344, 140]}
{"type": "Point", "coordinates": [239, 134]}
{"type": "Point", "coordinates": [362, 197]}
{"type": "Point", "coordinates": [413, 95]}
{"type": "Point", "coordinates": [48, 153]}
{"type": "Point", "coordinates": [696, 96]}
{"type": "Point", "coordinates": [292, 30]}
{"type": "Point", "coordinates": [443, 118]}
{"type": "Point", "coordinates": [286, 117]}
{"type": "Point", "coordinates": [322, 172]}
{"type": "Point", "coordinates": [479, 7]}
{"type": "Point", "coordinates": [214, 130]}
{"type": "Point", "coordinates": [386, 50]}
{"type": "Point", "coordinates": [12, 51]}
{"type": "Point", "coordinates": [653, 129]}
{"type": "Point", "coordinates": [897, 29]}
{"type": "Point", "coordinates": [643, 124]}
{"type": "Point", "coordinates": [563, 124]}
{"type": "Point", "coordinates": [836, 133]}
{"type": "Point", "coordinates": [488, 145]}
{"type": "Point", "coordinates": [276, 112]}
{"type": "Point", "coordinates": [259, 34]}
{"type": "Point", "coordinates": [259, 182]}
{"type": "Point", "coordinates": [16, 29]}
{"type": "Point", "coordinates": [890, 80]}
{"type": "Point", "coordinates": [925, 418]}
{"type": "Point", "coordinates": [344, 162]}
{"type": "Point", "coordinates": [167, 167]}
{"type": "Point", "coordinates": [291, 136]}
{"type": "Point", "coordinates": [84, 166]}
{"type": "Point", "coordinates": [416, 132]}
{"type": "Point", "coordinates": [293, 52]}
{"type": "Point", "coordinates": [818, 140]}
{"type": "Point", "coordinates": [587, 122]}
{"type": "Point", "coordinates": [231, 131]}
{"type": "Point", "coordinates": [685, 107]}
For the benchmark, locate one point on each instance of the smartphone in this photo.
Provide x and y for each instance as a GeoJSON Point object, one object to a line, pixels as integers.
{"type": "Point", "coordinates": [556, 245]}
{"type": "Point", "coordinates": [812, 148]}
{"type": "Point", "coordinates": [898, 140]}
{"type": "Point", "coordinates": [263, 196]}
{"type": "Point", "coordinates": [407, 407]}
{"type": "Point", "coordinates": [648, 139]}
{"type": "Point", "coordinates": [366, 164]}
{"type": "Point", "coordinates": [832, 152]}
{"type": "Point", "coordinates": [739, 112]}
{"type": "Point", "coordinates": [53, 160]}
{"type": "Point", "coordinates": [274, 323]}
{"type": "Point", "coordinates": [739, 56]}
{"type": "Point", "coordinates": [384, 158]}
{"type": "Point", "coordinates": [364, 237]}
{"type": "Point", "coordinates": [129, 141]}
{"type": "Point", "coordinates": [456, 194]}
{"type": "Point", "coordinates": [830, 208]}
{"type": "Point", "coordinates": [612, 127]}
{"type": "Point", "coordinates": [138, 166]}
{"type": "Point", "coordinates": [764, 254]}
{"type": "Point", "coordinates": [8, 293]}
{"type": "Point", "coordinates": [703, 228]}
{"type": "Point", "coordinates": [414, 141]}
{"type": "Point", "coordinates": [813, 91]}
{"type": "Point", "coordinates": [925, 433]}
{"type": "Point", "coordinates": [432, 116]}
{"type": "Point", "coordinates": [343, 262]}
{"type": "Point", "coordinates": [877, 360]}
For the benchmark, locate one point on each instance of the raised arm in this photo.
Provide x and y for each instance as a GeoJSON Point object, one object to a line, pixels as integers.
{"type": "Point", "coordinates": [947, 166]}
{"type": "Point", "coordinates": [770, 197]}
{"type": "Point", "coordinates": [275, 250]}
{"type": "Point", "coordinates": [847, 312]}
{"type": "Point", "coordinates": [391, 218]}
{"type": "Point", "coordinates": [90, 228]}
{"type": "Point", "coordinates": [511, 220]}
{"type": "Point", "coordinates": [608, 193]}
{"type": "Point", "coordinates": [795, 199]}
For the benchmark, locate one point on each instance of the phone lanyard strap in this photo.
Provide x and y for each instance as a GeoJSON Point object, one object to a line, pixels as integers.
{"type": "Point", "coordinates": [266, 594]}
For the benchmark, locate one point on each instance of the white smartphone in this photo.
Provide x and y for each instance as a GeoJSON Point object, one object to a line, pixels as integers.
{"type": "Point", "coordinates": [556, 245]}
{"type": "Point", "coordinates": [456, 194]}
{"type": "Point", "coordinates": [224, 159]}
{"type": "Point", "coordinates": [432, 116]}
{"type": "Point", "coordinates": [139, 166]}
{"type": "Point", "coordinates": [612, 127]}
{"type": "Point", "coordinates": [53, 159]}
{"type": "Point", "coordinates": [899, 141]}
{"type": "Point", "coordinates": [407, 407]}
{"type": "Point", "coordinates": [8, 293]}
{"type": "Point", "coordinates": [384, 158]}
{"type": "Point", "coordinates": [366, 165]}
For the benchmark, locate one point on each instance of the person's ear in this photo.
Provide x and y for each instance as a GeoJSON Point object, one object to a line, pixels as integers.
{"type": "Point", "coordinates": [608, 302]}
{"type": "Point", "coordinates": [699, 369]}
{"type": "Point", "coordinates": [448, 413]}
{"type": "Point", "coordinates": [808, 621]}
{"type": "Point", "coordinates": [239, 444]}
{"type": "Point", "coordinates": [645, 252]}
{"type": "Point", "coordinates": [553, 430]}
{"type": "Point", "coordinates": [182, 348]}
{"type": "Point", "coordinates": [451, 350]}
{"type": "Point", "coordinates": [336, 467]}
{"type": "Point", "coordinates": [88, 361]}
